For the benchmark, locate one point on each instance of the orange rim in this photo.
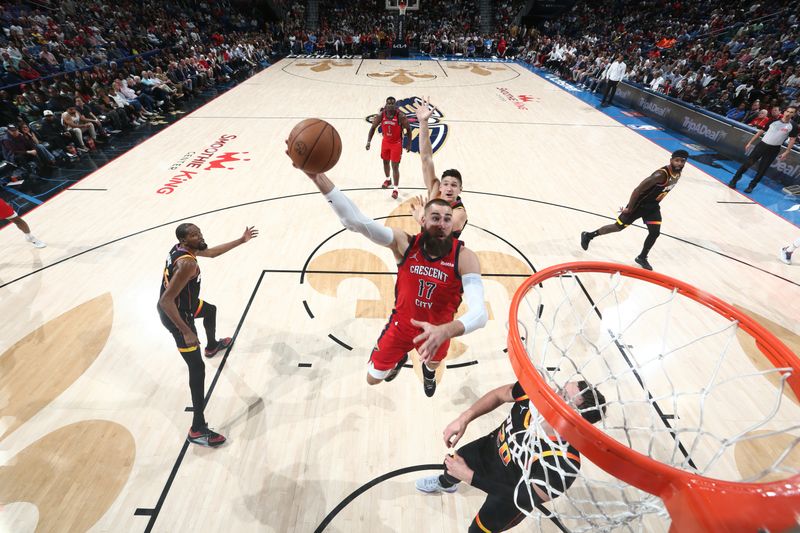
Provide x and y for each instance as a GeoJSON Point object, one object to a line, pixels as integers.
{"type": "Point", "coordinates": [695, 503]}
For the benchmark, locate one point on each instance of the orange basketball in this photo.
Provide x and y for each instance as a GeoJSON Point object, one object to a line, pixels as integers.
{"type": "Point", "coordinates": [314, 146]}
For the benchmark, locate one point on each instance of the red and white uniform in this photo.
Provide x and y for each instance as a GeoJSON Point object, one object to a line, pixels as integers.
{"type": "Point", "coordinates": [6, 211]}
{"type": "Point", "coordinates": [392, 145]}
{"type": "Point", "coordinates": [427, 290]}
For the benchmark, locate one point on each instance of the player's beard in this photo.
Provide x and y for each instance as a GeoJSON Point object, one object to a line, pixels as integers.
{"type": "Point", "coordinates": [434, 246]}
{"type": "Point", "coordinates": [202, 246]}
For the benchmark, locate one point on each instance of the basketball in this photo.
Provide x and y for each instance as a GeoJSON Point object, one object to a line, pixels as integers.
{"type": "Point", "coordinates": [314, 146]}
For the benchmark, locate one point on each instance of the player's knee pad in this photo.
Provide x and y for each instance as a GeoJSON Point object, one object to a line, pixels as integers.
{"type": "Point", "coordinates": [654, 230]}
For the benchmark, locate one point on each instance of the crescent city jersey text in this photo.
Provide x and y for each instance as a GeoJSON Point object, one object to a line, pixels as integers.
{"type": "Point", "coordinates": [390, 128]}
{"type": "Point", "coordinates": [428, 289]}
{"type": "Point", "coordinates": [658, 191]}
{"type": "Point", "coordinates": [189, 298]}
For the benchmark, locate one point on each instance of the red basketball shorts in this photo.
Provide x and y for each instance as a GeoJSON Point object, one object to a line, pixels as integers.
{"type": "Point", "coordinates": [6, 211]}
{"type": "Point", "coordinates": [396, 341]}
{"type": "Point", "coordinates": [391, 152]}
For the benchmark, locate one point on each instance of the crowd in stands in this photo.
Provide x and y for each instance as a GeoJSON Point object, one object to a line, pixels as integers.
{"type": "Point", "coordinates": [72, 77]}
{"type": "Point", "coordinates": [438, 28]}
{"type": "Point", "coordinates": [736, 58]}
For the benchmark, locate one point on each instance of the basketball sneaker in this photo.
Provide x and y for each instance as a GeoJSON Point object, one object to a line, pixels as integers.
{"type": "Point", "coordinates": [431, 484]}
{"type": "Point", "coordinates": [396, 370]}
{"type": "Point", "coordinates": [642, 262]}
{"type": "Point", "coordinates": [35, 242]}
{"type": "Point", "coordinates": [205, 437]}
{"type": "Point", "coordinates": [222, 344]}
{"type": "Point", "coordinates": [394, 194]}
{"type": "Point", "coordinates": [386, 184]}
{"type": "Point", "coordinates": [586, 238]}
{"type": "Point", "coordinates": [785, 256]}
{"type": "Point", "coordinates": [428, 380]}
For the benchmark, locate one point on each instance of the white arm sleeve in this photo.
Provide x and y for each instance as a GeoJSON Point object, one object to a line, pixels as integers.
{"type": "Point", "coordinates": [476, 316]}
{"type": "Point", "coordinates": [354, 220]}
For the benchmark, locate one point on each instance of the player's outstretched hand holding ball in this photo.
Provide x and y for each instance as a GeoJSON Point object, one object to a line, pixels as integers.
{"type": "Point", "coordinates": [314, 146]}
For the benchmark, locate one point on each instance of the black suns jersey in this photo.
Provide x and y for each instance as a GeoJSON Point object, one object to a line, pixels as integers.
{"type": "Point", "coordinates": [188, 299]}
{"type": "Point", "coordinates": [657, 192]}
{"type": "Point", "coordinates": [551, 460]}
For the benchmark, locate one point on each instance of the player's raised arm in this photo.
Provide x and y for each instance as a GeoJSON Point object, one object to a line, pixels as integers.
{"type": "Point", "coordinates": [215, 251]}
{"type": "Point", "coordinates": [424, 112]}
{"type": "Point", "coordinates": [353, 219]}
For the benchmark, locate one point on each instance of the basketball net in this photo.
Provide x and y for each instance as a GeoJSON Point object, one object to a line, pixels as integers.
{"type": "Point", "coordinates": [401, 7]}
{"type": "Point", "coordinates": [702, 425]}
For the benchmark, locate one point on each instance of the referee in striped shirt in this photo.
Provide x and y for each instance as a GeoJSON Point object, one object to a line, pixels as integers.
{"type": "Point", "coordinates": [765, 151]}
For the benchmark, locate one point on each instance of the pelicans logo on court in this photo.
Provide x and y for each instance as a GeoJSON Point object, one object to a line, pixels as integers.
{"type": "Point", "coordinates": [438, 128]}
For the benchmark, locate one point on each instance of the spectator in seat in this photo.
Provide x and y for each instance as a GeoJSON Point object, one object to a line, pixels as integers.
{"type": "Point", "coordinates": [54, 132]}
{"type": "Point", "coordinates": [28, 111]}
{"type": "Point", "coordinates": [753, 112]}
{"type": "Point", "coordinates": [80, 127]}
{"type": "Point", "coordinates": [105, 106]}
{"type": "Point", "coordinates": [43, 155]}
{"type": "Point", "coordinates": [86, 112]}
{"type": "Point", "coordinates": [57, 103]}
{"type": "Point", "coordinates": [737, 113]}
{"type": "Point", "coordinates": [27, 72]}
{"type": "Point", "coordinates": [761, 121]}
{"type": "Point", "coordinates": [17, 149]}
{"type": "Point", "coordinates": [9, 112]}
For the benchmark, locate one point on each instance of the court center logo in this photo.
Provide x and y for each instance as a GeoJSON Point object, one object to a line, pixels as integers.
{"type": "Point", "coordinates": [401, 76]}
{"type": "Point", "coordinates": [477, 68]}
{"type": "Point", "coordinates": [438, 128]}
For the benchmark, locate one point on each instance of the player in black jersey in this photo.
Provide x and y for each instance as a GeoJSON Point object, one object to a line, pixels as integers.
{"type": "Point", "coordinates": [488, 462]}
{"type": "Point", "coordinates": [644, 204]}
{"type": "Point", "coordinates": [178, 307]}
{"type": "Point", "coordinates": [449, 187]}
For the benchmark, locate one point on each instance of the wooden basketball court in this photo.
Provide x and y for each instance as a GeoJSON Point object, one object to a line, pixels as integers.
{"type": "Point", "coordinates": [93, 391]}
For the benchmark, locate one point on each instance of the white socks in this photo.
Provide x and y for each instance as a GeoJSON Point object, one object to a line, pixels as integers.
{"type": "Point", "coordinates": [794, 246]}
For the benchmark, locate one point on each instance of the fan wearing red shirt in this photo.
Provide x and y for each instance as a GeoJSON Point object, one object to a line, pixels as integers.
{"type": "Point", "coordinates": [433, 270]}
{"type": "Point", "coordinates": [392, 123]}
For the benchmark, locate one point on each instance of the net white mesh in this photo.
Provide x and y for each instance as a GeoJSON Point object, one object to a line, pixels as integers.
{"type": "Point", "coordinates": [683, 385]}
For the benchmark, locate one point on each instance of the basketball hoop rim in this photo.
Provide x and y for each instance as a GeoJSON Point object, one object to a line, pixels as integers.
{"type": "Point", "coordinates": [669, 483]}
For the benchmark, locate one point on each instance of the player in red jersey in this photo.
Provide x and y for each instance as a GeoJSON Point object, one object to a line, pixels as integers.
{"type": "Point", "coordinates": [434, 268]}
{"type": "Point", "coordinates": [7, 212]}
{"type": "Point", "coordinates": [392, 123]}
{"type": "Point", "coordinates": [449, 187]}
